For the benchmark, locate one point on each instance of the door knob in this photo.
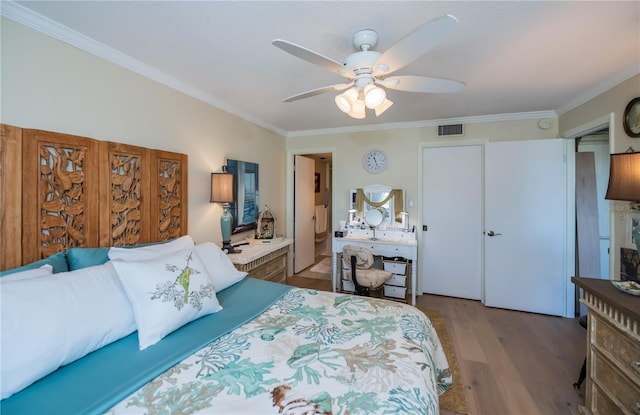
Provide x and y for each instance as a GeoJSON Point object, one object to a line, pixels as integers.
{"type": "Point", "coordinates": [492, 233]}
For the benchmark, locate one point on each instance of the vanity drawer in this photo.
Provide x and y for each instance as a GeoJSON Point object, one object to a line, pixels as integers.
{"type": "Point", "coordinates": [395, 292]}
{"type": "Point", "coordinates": [619, 348]}
{"type": "Point", "coordinates": [398, 280]}
{"type": "Point", "coordinates": [348, 286]}
{"type": "Point", "coordinates": [395, 267]}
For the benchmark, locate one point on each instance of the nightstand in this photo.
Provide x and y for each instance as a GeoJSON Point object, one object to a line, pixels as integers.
{"type": "Point", "coordinates": [265, 261]}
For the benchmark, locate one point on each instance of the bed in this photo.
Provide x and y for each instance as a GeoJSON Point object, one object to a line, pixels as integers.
{"type": "Point", "coordinates": [170, 326]}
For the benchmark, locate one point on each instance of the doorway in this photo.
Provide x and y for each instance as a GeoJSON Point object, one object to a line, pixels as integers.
{"type": "Point", "coordinates": [312, 247]}
{"type": "Point", "coordinates": [592, 210]}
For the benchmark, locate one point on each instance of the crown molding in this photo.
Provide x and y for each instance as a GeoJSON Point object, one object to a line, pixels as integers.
{"type": "Point", "coordinates": [602, 87]}
{"type": "Point", "coordinates": [428, 123]}
{"type": "Point", "coordinates": [44, 25]}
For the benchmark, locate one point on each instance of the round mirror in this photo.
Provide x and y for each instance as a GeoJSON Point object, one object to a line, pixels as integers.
{"type": "Point", "coordinates": [374, 217]}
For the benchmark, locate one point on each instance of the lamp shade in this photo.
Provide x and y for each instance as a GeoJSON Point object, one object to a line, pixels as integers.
{"type": "Point", "coordinates": [358, 110]}
{"type": "Point", "coordinates": [221, 188]}
{"type": "Point", "coordinates": [346, 100]}
{"type": "Point", "coordinates": [624, 177]}
{"type": "Point", "coordinates": [374, 96]}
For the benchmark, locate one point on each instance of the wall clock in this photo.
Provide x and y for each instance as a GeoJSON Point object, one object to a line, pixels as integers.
{"type": "Point", "coordinates": [374, 161]}
{"type": "Point", "coordinates": [631, 118]}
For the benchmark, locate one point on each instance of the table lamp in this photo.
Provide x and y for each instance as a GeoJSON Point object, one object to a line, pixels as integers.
{"type": "Point", "coordinates": [624, 182]}
{"type": "Point", "coordinates": [222, 192]}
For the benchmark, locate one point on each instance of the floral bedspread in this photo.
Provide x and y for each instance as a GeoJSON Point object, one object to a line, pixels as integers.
{"type": "Point", "coordinates": [312, 352]}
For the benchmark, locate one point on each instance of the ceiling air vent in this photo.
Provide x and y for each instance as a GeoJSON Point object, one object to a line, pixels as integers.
{"type": "Point", "coordinates": [451, 129]}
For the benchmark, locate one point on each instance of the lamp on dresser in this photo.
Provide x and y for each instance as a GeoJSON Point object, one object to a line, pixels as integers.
{"type": "Point", "coordinates": [624, 176]}
{"type": "Point", "coordinates": [624, 182]}
{"type": "Point", "coordinates": [222, 192]}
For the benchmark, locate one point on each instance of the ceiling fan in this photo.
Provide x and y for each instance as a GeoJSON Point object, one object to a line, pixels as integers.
{"type": "Point", "coordinates": [367, 71]}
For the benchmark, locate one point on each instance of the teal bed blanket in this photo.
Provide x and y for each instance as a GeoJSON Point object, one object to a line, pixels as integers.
{"type": "Point", "coordinates": [97, 382]}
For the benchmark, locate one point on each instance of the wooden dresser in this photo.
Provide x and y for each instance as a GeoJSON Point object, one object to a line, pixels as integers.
{"type": "Point", "coordinates": [613, 355]}
{"type": "Point", "coordinates": [267, 261]}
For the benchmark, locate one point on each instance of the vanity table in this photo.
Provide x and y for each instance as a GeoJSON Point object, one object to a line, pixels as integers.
{"type": "Point", "coordinates": [265, 261]}
{"type": "Point", "coordinates": [386, 243]}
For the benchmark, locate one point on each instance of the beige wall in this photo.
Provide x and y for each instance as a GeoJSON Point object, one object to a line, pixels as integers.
{"type": "Point", "coordinates": [610, 104]}
{"type": "Point", "coordinates": [49, 85]}
{"type": "Point", "coordinates": [403, 150]}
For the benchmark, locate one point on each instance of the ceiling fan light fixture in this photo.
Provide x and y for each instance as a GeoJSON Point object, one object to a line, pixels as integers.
{"type": "Point", "coordinates": [346, 101]}
{"type": "Point", "coordinates": [383, 107]}
{"type": "Point", "coordinates": [374, 96]}
{"type": "Point", "coordinates": [358, 110]}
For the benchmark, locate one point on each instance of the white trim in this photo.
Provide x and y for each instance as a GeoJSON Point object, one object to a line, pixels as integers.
{"type": "Point", "coordinates": [427, 123]}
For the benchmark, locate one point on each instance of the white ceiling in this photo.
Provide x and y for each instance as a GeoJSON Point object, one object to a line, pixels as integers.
{"type": "Point", "coordinates": [532, 58]}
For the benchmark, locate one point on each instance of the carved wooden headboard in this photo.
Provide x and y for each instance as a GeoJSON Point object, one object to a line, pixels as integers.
{"type": "Point", "coordinates": [60, 191]}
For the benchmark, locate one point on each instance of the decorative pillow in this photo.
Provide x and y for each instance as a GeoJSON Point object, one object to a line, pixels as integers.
{"type": "Point", "coordinates": [222, 271]}
{"type": "Point", "coordinates": [167, 293]}
{"type": "Point", "coordinates": [149, 252]}
{"type": "Point", "coordinates": [50, 322]}
{"type": "Point", "coordinates": [79, 258]}
{"type": "Point", "coordinates": [43, 271]}
{"type": "Point", "coordinates": [58, 261]}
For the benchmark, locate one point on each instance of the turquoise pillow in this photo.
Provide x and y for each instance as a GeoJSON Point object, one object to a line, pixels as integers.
{"type": "Point", "coordinates": [58, 261]}
{"type": "Point", "coordinates": [86, 257]}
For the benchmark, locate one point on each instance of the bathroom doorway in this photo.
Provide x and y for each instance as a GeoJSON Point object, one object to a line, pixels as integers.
{"type": "Point", "coordinates": [322, 216]}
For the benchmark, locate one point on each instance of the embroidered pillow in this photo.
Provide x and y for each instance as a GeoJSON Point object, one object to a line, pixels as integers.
{"type": "Point", "coordinates": [148, 252]}
{"type": "Point", "coordinates": [222, 271]}
{"type": "Point", "coordinates": [51, 321]}
{"type": "Point", "coordinates": [167, 293]}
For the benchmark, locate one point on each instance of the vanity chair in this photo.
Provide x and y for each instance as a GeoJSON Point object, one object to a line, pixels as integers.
{"type": "Point", "coordinates": [363, 275]}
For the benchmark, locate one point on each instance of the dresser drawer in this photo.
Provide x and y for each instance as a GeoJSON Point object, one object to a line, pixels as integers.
{"type": "Point", "coordinates": [625, 354]}
{"type": "Point", "coordinates": [602, 405]}
{"type": "Point", "coordinates": [273, 270]}
{"type": "Point", "coordinates": [618, 387]}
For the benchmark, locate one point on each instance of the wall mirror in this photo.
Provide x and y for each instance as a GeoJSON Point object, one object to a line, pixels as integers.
{"type": "Point", "coordinates": [245, 195]}
{"type": "Point", "coordinates": [373, 211]}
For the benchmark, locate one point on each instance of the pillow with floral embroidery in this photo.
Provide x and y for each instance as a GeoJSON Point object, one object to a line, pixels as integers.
{"type": "Point", "coordinates": [167, 293]}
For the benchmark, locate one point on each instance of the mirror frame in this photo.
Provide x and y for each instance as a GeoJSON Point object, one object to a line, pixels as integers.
{"type": "Point", "coordinates": [377, 188]}
{"type": "Point", "coordinates": [245, 194]}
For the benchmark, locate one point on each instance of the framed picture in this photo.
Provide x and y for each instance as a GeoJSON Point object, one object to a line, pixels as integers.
{"type": "Point", "coordinates": [317, 186]}
{"type": "Point", "coordinates": [633, 230]}
{"type": "Point", "coordinates": [631, 118]}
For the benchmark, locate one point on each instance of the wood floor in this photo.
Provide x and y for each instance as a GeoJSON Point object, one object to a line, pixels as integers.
{"type": "Point", "coordinates": [512, 363]}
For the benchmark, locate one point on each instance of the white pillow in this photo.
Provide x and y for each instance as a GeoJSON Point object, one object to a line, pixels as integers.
{"type": "Point", "coordinates": [149, 252]}
{"type": "Point", "coordinates": [50, 322]}
{"type": "Point", "coordinates": [157, 292]}
{"type": "Point", "coordinates": [43, 271]}
{"type": "Point", "coordinates": [222, 271]}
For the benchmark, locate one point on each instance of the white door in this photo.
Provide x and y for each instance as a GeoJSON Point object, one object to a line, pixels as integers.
{"type": "Point", "coordinates": [525, 225]}
{"type": "Point", "coordinates": [452, 213]}
{"type": "Point", "coordinates": [303, 220]}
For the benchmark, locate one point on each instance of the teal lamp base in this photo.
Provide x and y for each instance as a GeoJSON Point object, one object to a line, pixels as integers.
{"type": "Point", "coordinates": [225, 227]}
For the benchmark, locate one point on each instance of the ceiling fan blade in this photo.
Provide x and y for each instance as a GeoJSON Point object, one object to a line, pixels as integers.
{"type": "Point", "coordinates": [413, 83]}
{"type": "Point", "coordinates": [314, 58]}
{"type": "Point", "coordinates": [318, 91]}
{"type": "Point", "coordinates": [415, 44]}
